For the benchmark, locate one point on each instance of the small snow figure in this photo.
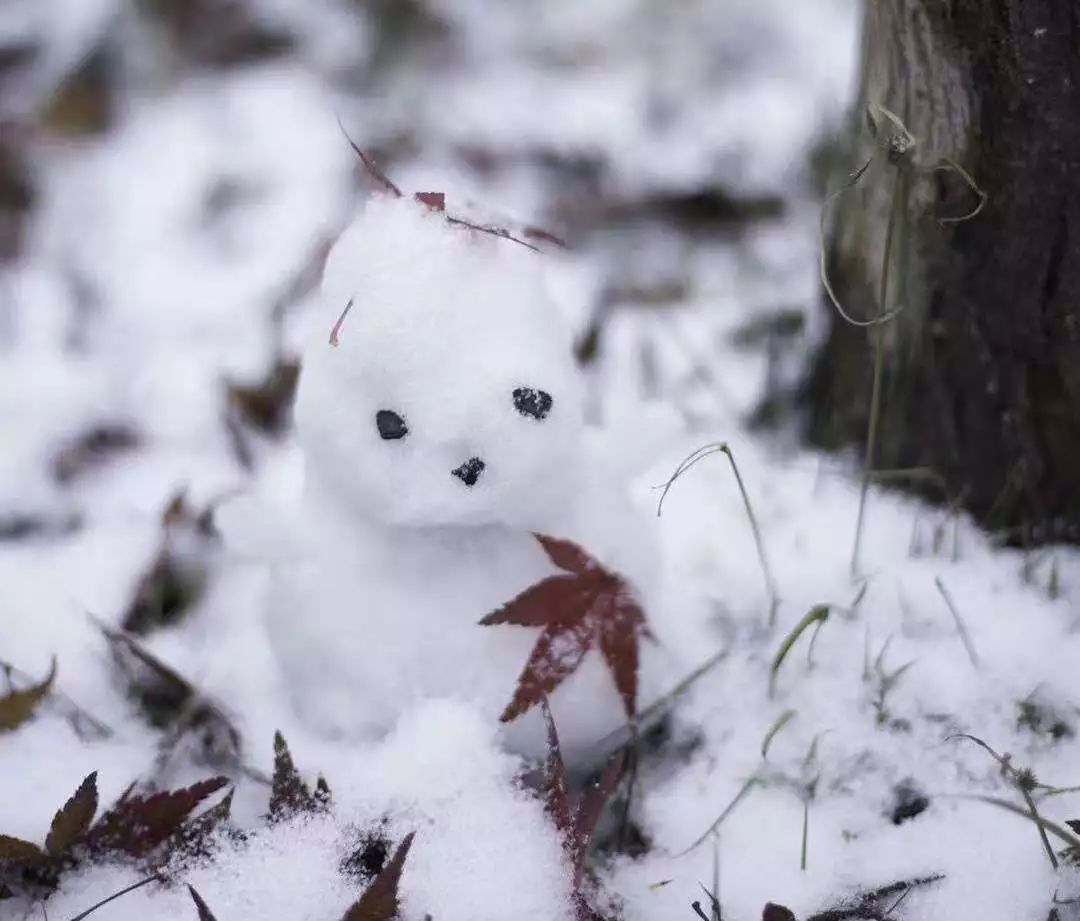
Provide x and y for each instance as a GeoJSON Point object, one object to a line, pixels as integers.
{"type": "Point", "coordinates": [439, 415]}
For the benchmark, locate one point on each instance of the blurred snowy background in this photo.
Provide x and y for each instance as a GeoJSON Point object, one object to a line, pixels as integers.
{"type": "Point", "coordinates": [173, 171]}
{"type": "Point", "coordinates": [171, 174]}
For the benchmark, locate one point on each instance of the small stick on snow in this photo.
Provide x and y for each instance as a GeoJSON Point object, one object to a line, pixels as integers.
{"type": "Point", "coordinates": [487, 228]}
{"type": "Point", "coordinates": [961, 628]}
{"type": "Point", "coordinates": [334, 340]}
{"type": "Point", "coordinates": [143, 882]}
{"type": "Point", "coordinates": [377, 174]}
{"type": "Point", "coordinates": [805, 833]}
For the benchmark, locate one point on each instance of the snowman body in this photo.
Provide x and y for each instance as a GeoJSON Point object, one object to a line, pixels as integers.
{"type": "Point", "coordinates": [439, 434]}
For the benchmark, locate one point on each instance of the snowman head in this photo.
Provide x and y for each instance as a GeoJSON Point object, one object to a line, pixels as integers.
{"type": "Point", "coordinates": [451, 395]}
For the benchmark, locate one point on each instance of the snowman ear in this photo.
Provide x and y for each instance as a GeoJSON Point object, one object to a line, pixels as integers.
{"type": "Point", "coordinates": [336, 329]}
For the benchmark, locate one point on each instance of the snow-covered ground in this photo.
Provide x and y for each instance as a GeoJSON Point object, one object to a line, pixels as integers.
{"type": "Point", "coordinates": [179, 212]}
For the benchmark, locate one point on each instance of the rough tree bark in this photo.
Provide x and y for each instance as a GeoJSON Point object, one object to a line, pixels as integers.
{"type": "Point", "coordinates": [982, 371]}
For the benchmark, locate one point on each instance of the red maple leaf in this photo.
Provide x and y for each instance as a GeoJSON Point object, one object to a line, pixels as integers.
{"type": "Point", "coordinates": [584, 607]}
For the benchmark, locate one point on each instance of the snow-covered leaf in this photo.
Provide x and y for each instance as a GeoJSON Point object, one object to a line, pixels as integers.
{"type": "Point", "coordinates": [17, 707]}
{"type": "Point", "coordinates": [289, 795]}
{"type": "Point", "coordinates": [138, 824]}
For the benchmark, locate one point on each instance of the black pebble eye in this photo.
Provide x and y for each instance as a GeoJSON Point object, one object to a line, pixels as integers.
{"type": "Point", "coordinates": [391, 425]}
{"type": "Point", "coordinates": [533, 403]}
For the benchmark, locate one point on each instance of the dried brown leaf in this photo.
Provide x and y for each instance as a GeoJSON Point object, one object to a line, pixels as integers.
{"type": "Point", "coordinates": [162, 692]}
{"type": "Point", "coordinates": [15, 849]}
{"type": "Point", "coordinates": [167, 590]}
{"type": "Point", "coordinates": [136, 825]}
{"type": "Point", "coordinates": [266, 405]}
{"type": "Point", "coordinates": [84, 102]}
{"type": "Point", "coordinates": [380, 900]}
{"type": "Point", "coordinates": [193, 839]}
{"type": "Point", "coordinates": [18, 706]}
{"type": "Point", "coordinates": [169, 701]}
{"type": "Point", "coordinates": [73, 819]}
{"type": "Point", "coordinates": [93, 449]}
{"type": "Point", "coordinates": [176, 579]}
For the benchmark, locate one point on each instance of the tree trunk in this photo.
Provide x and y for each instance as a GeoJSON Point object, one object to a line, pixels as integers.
{"type": "Point", "coordinates": [982, 365]}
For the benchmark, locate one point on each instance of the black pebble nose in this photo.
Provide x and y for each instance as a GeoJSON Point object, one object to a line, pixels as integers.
{"type": "Point", "coordinates": [470, 471]}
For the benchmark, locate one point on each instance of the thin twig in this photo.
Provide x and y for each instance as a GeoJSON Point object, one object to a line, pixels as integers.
{"type": "Point", "coordinates": [895, 905]}
{"type": "Point", "coordinates": [437, 202]}
{"type": "Point", "coordinates": [715, 894]}
{"type": "Point", "coordinates": [116, 895]}
{"type": "Point", "coordinates": [805, 832]}
{"type": "Point", "coordinates": [373, 171]}
{"type": "Point", "coordinates": [491, 229]}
